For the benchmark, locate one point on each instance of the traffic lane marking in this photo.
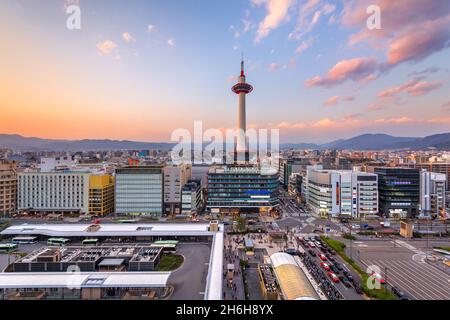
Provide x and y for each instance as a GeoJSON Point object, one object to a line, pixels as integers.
{"type": "Point", "coordinates": [431, 269]}
{"type": "Point", "coordinates": [403, 277]}
{"type": "Point", "coordinates": [430, 292]}
{"type": "Point", "coordinates": [409, 291]}
{"type": "Point", "coordinates": [401, 282]}
{"type": "Point", "coordinates": [425, 274]}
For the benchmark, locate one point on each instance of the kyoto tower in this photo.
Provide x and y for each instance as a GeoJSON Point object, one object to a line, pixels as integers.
{"type": "Point", "coordinates": [241, 89]}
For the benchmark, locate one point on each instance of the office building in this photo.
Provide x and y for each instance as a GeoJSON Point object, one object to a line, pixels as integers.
{"type": "Point", "coordinates": [49, 164]}
{"type": "Point", "coordinates": [437, 167]}
{"type": "Point", "coordinates": [242, 189]}
{"type": "Point", "coordinates": [191, 197]}
{"type": "Point", "coordinates": [432, 193]}
{"type": "Point", "coordinates": [101, 194]}
{"type": "Point", "coordinates": [398, 191]}
{"type": "Point", "coordinates": [139, 190]}
{"type": "Point", "coordinates": [287, 167]}
{"type": "Point", "coordinates": [342, 193]}
{"type": "Point", "coordinates": [53, 192]}
{"type": "Point", "coordinates": [175, 177]}
{"type": "Point", "coordinates": [8, 187]}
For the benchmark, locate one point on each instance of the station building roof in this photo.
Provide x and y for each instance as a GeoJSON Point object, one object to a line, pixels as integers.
{"type": "Point", "coordinates": [110, 230]}
{"type": "Point", "coordinates": [293, 282]}
{"type": "Point", "coordinates": [213, 290]}
{"type": "Point", "coordinates": [36, 280]}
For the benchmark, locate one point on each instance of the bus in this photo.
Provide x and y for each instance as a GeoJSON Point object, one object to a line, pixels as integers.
{"type": "Point", "coordinates": [90, 242]}
{"type": "Point", "coordinates": [8, 247]}
{"type": "Point", "coordinates": [127, 221]}
{"type": "Point", "coordinates": [163, 242]}
{"type": "Point", "coordinates": [57, 241]}
{"type": "Point", "coordinates": [167, 248]}
{"type": "Point", "coordinates": [24, 240]}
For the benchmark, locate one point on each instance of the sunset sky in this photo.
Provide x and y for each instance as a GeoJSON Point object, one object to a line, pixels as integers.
{"type": "Point", "coordinates": [139, 69]}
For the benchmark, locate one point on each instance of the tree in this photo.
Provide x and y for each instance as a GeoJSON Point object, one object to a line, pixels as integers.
{"type": "Point", "coordinates": [241, 223]}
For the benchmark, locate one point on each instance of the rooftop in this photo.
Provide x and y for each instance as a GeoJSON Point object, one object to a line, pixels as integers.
{"type": "Point", "coordinates": [110, 229]}
{"type": "Point", "coordinates": [83, 280]}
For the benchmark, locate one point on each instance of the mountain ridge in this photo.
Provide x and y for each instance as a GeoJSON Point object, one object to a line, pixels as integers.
{"type": "Point", "coordinates": [368, 141]}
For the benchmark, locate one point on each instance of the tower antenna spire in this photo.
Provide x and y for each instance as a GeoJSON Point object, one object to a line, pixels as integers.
{"type": "Point", "coordinates": [242, 63]}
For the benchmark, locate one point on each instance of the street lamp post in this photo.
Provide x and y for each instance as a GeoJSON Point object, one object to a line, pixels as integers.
{"type": "Point", "coordinates": [351, 241]}
{"type": "Point", "coordinates": [386, 276]}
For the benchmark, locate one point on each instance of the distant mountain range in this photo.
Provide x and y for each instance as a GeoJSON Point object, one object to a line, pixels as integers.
{"type": "Point", "coordinates": [362, 142]}
{"type": "Point", "coordinates": [382, 142]}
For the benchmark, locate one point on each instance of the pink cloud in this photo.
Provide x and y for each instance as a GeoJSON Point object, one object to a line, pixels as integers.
{"type": "Point", "coordinates": [446, 106]}
{"type": "Point", "coordinates": [356, 69]}
{"type": "Point", "coordinates": [274, 66]}
{"type": "Point", "coordinates": [106, 47]}
{"type": "Point", "coordinates": [349, 98]}
{"type": "Point", "coordinates": [334, 100]}
{"type": "Point", "coordinates": [415, 87]}
{"type": "Point", "coordinates": [277, 12]}
{"type": "Point", "coordinates": [400, 120]}
{"type": "Point", "coordinates": [411, 30]}
{"type": "Point", "coordinates": [418, 43]}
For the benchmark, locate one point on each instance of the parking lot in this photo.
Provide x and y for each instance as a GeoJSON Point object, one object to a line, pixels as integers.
{"type": "Point", "coordinates": [26, 248]}
{"type": "Point", "coordinates": [404, 267]}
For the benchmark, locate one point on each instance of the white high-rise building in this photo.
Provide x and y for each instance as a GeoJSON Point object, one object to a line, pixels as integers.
{"type": "Point", "coordinates": [342, 193]}
{"type": "Point", "coordinates": [175, 177]}
{"type": "Point", "coordinates": [56, 192]}
{"type": "Point", "coordinates": [432, 192]}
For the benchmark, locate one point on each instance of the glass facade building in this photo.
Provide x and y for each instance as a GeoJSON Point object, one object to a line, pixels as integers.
{"type": "Point", "coordinates": [139, 190]}
{"type": "Point", "coordinates": [242, 188]}
{"type": "Point", "coordinates": [398, 190]}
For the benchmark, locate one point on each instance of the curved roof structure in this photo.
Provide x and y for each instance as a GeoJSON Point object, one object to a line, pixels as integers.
{"type": "Point", "coordinates": [293, 282]}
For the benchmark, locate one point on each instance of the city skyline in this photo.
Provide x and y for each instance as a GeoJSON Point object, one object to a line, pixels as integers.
{"type": "Point", "coordinates": [140, 70]}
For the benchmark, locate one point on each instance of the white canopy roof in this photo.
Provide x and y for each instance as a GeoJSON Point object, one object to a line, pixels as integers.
{"type": "Point", "coordinates": [83, 279]}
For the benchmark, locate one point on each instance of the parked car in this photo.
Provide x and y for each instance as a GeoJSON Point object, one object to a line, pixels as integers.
{"type": "Point", "coordinates": [346, 283]}
{"type": "Point", "coordinates": [291, 251]}
{"type": "Point", "coordinates": [334, 269]}
{"type": "Point", "coordinates": [325, 266]}
{"type": "Point", "coordinates": [312, 252]}
{"type": "Point", "coordinates": [358, 289]}
{"type": "Point", "coordinates": [333, 277]}
{"type": "Point", "coordinates": [399, 293]}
